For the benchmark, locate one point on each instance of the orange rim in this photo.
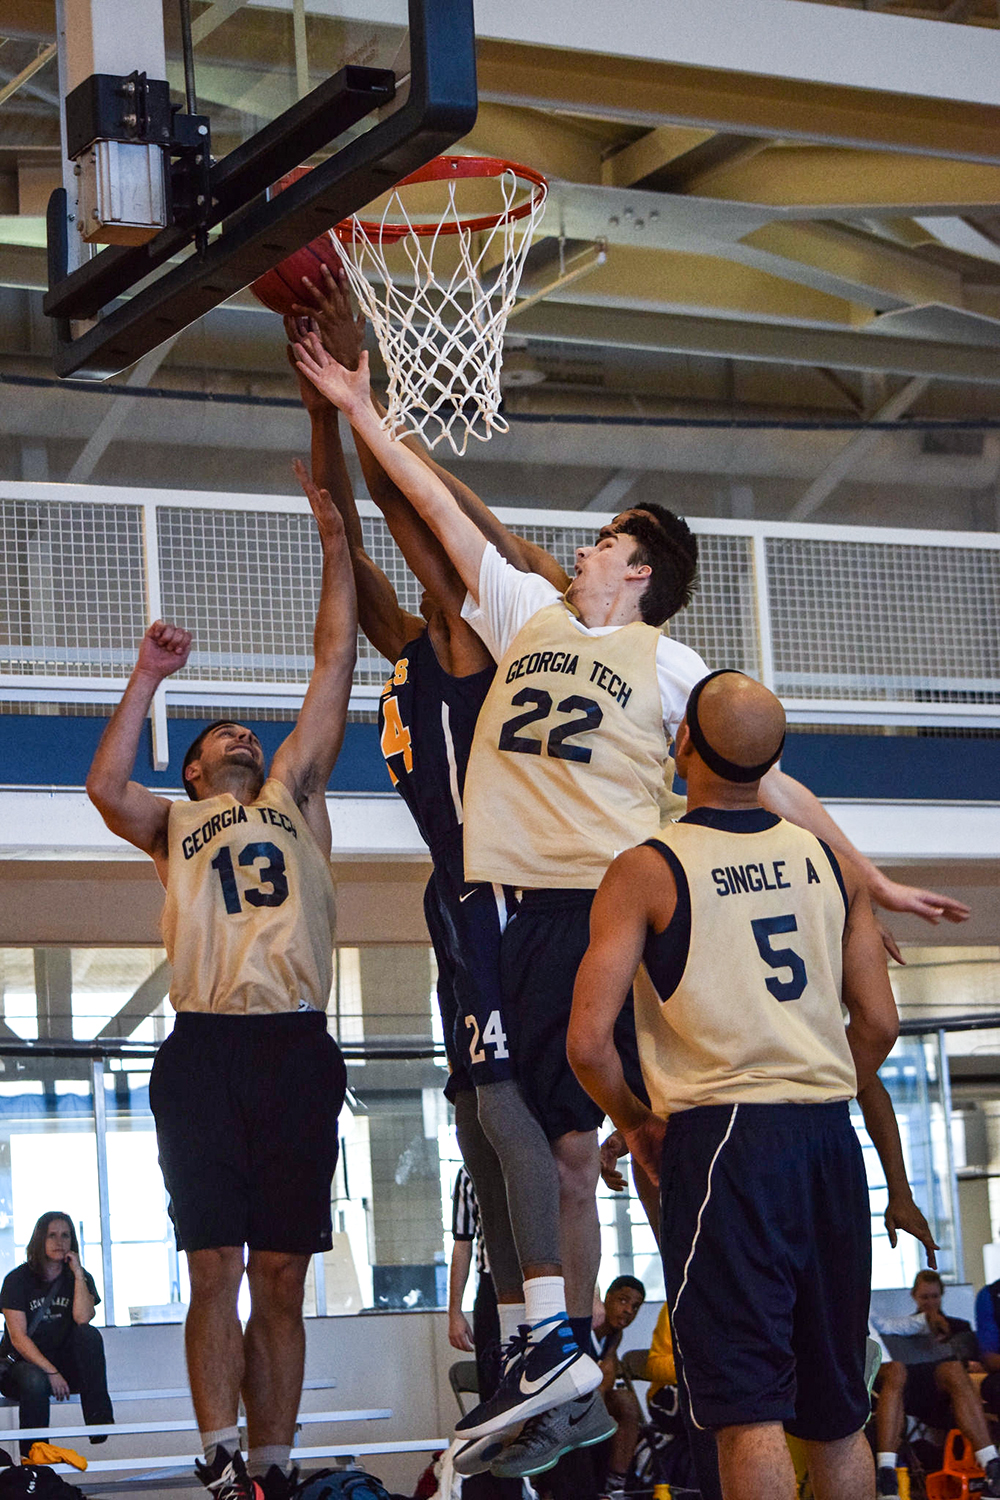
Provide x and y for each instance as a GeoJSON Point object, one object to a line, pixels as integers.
{"type": "Point", "coordinates": [451, 169]}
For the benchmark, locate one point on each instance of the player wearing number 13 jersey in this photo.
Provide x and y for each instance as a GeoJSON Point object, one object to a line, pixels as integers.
{"type": "Point", "coordinates": [246, 1090]}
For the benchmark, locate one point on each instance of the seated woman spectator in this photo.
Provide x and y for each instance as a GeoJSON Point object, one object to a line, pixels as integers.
{"type": "Point", "coordinates": [937, 1391]}
{"type": "Point", "coordinates": [48, 1348]}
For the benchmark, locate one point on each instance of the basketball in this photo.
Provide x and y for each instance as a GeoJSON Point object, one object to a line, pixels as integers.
{"type": "Point", "coordinates": [281, 288]}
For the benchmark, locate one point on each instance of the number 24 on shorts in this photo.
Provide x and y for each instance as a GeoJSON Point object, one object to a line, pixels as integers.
{"type": "Point", "coordinates": [492, 1036]}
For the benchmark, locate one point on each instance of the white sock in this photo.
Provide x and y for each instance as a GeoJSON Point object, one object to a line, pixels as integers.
{"type": "Point", "coordinates": [886, 1461]}
{"type": "Point", "coordinates": [544, 1298]}
{"type": "Point", "coordinates": [985, 1455]}
{"type": "Point", "coordinates": [222, 1437]}
{"type": "Point", "coordinates": [259, 1460]}
{"type": "Point", "coordinates": [511, 1316]}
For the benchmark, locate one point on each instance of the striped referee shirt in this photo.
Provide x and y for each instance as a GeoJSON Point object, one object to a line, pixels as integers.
{"type": "Point", "coordinates": [465, 1221]}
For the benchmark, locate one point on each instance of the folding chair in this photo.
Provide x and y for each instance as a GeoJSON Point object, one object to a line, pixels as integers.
{"type": "Point", "coordinates": [464, 1381]}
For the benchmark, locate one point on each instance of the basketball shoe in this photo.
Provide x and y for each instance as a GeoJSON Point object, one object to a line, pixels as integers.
{"type": "Point", "coordinates": [544, 1439]}
{"type": "Point", "coordinates": [227, 1478]}
{"type": "Point", "coordinates": [542, 1369]}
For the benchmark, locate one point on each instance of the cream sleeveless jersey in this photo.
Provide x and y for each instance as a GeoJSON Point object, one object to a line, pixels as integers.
{"type": "Point", "coordinates": [748, 973]}
{"type": "Point", "coordinates": [570, 762]}
{"type": "Point", "coordinates": [249, 916]}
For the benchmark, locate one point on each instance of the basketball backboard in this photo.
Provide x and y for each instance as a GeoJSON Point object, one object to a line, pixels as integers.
{"type": "Point", "coordinates": [365, 91]}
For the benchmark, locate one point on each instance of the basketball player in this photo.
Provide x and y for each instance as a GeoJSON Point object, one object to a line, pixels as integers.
{"type": "Point", "coordinates": [247, 1088]}
{"type": "Point", "coordinates": [588, 670]}
{"type": "Point", "coordinates": [427, 715]}
{"type": "Point", "coordinates": [753, 936]}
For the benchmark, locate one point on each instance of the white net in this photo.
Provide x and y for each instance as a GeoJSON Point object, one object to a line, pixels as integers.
{"type": "Point", "coordinates": [440, 324]}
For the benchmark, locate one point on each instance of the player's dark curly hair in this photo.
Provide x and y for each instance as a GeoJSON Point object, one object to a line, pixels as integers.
{"type": "Point", "coordinates": [666, 544]}
{"type": "Point", "coordinates": [35, 1253]}
{"type": "Point", "coordinates": [194, 750]}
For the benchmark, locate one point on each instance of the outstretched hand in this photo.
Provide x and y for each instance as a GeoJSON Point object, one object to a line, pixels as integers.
{"type": "Point", "coordinates": [895, 896]}
{"type": "Point", "coordinates": [329, 309]}
{"type": "Point", "coordinates": [164, 650]}
{"type": "Point", "coordinates": [295, 329]}
{"type": "Point", "coordinates": [328, 517]}
{"type": "Point", "coordinates": [348, 389]}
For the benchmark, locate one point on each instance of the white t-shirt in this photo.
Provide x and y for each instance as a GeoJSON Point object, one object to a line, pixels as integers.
{"type": "Point", "coordinates": [508, 598]}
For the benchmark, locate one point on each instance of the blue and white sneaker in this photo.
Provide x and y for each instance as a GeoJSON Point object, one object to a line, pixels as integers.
{"type": "Point", "coordinates": [539, 1373]}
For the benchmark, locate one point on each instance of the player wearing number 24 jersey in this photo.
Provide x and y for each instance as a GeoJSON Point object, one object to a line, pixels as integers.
{"type": "Point", "coordinates": [427, 717]}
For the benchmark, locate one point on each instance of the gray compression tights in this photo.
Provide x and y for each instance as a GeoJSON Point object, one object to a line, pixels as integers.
{"type": "Point", "coordinates": [487, 1179]}
{"type": "Point", "coordinates": [529, 1170]}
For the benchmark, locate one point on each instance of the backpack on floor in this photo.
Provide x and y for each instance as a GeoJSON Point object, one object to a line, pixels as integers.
{"type": "Point", "coordinates": [38, 1482]}
{"type": "Point", "coordinates": [336, 1484]}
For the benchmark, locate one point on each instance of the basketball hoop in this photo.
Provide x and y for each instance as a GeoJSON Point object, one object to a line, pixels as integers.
{"type": "Point", "coordinates": [438, 284]}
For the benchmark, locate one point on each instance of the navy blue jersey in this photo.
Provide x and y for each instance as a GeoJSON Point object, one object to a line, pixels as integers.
{"type": "Point", "coordinates": [426, 720]}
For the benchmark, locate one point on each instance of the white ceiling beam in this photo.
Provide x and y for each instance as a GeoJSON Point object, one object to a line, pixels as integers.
{"type": "Point", "coordinates": [774, 38]}
{"type": "Point", "coordinates": [737, 338]}
{"type": "Point", "coordinates": [854, 450]}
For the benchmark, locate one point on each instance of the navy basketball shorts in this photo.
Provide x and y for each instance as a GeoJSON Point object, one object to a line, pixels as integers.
{"type": "Point", "coordinates": [246, 1125]}
{"type": "Point", "coordinates": [766, 1243]}
{"type": "Point", "coordinates": [465, 922]}
{"type": "Point", "coordinates": [542, 948]}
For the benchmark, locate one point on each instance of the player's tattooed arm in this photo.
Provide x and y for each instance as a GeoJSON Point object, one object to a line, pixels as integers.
{"type": "Point", "coordinates": [130, 810]}
{"type": "Point", "coordinates": [341, 335]}
{"type": "Point", "coordinates": [901, 1212]}
{"type": "Point", "coordinates": [305, 760]}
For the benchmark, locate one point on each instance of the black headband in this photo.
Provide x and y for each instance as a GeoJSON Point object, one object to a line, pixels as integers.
{"type": "Point", "coordinates": [727, 769]}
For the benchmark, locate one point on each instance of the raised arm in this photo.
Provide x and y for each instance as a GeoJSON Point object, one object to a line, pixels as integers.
{"type": "Point", "coordinates": [383, 620]}
{"type": "Point", "coordinates": [867, 994]}
{"type": "Point", "coordinates": [618, 921]}
{"type": "Point", "coordinates": [790, 799]}
{"type": "Point", "coordinates": [350, 391]}
{"type": "Point", "coordinates": [306, 758]}
{"type": "Point", "coordinates": [330, 309]}
{"type": "Point", "coordinates": [130, 810]}
{"type": "Point", "coordinates": [901, 1212]}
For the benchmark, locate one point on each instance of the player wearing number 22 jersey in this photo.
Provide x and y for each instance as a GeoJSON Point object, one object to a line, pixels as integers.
{"type": "Point", "coordinates": [427, 718]}
{"type": "Point", "coordinates": [570, 765]}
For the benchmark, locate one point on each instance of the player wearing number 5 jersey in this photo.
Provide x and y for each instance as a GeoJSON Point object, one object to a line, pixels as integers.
{"type": "Point", "coordinates": [247, 1088]}
{"type": "Point", "coordinates": [754, 938]}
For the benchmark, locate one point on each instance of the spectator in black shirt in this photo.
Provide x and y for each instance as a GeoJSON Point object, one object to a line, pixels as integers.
{"type": "Point", "coordinates": [48, 1347]}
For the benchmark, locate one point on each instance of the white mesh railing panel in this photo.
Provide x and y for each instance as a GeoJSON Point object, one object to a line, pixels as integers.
{"type": "Point", "coordinates": [878, 622]}
{"type": "Point", "coordinates": [721, 622]}
{"type": "Point", "coordinates": [245, 583]}
{"type": "Point", "coordinates": [72, 602]}
{"type": "Point", "coordinates": [856, 622]}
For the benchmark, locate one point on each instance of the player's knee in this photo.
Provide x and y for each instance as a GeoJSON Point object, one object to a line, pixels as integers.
{"type": "Point", "coordinates": [215, 1274]}
{"type": "Point", "coordinates": [277, 1282]}
{"type": "Point", "coordinates": [892, 1376]}
{"type": "Point", "coordinates": [578, 1163]}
